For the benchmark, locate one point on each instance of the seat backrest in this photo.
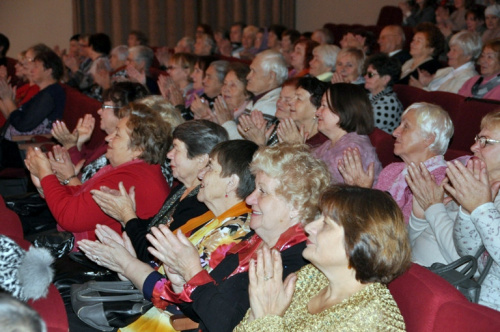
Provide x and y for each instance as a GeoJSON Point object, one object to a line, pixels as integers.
{"type": "Point", "coordinates": [77, 105]}
{"type": "Point", "coordinates": [465, 316]}
{"type": "Point", "coordinates": [384, 146]}
{"type": "Point", "coordinates": [450, 102]}
{"type": "Point", "coordinates": [10, 224]}
{"type": "Point", "coordinates": [409, 94]}
{"type": "Point", "coordinates": [420, 294]}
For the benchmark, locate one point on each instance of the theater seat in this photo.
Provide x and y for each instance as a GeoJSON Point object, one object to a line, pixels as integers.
{"type": "Point", "coordinates": [384, 146]}
{"type": "Point", "coordinates": [429, 303]}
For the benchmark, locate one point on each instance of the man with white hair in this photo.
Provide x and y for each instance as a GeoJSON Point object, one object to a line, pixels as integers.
{"type": "Point", "coordinates": [140, 59]}
{"type": "Point", "coordinates": [391, 41]}
{"type": "Point", "coordinates": [267, 72]}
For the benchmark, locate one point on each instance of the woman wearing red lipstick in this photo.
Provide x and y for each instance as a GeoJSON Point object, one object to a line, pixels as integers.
{"type": "Point", "coordinates": [356, 247]}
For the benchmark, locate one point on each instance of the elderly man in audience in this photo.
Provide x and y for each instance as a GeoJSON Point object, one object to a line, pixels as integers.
{"type": "Point", "coordinates": [322, 64]}
{"type": "Point", "coordinates": [139, 61]}
{"type": "Point", "coordinates": [267, 72]}
{"type": "Point", "coordinates": [204, 45]}
{"type": "Point", "coordinates": [248, 51]}
{"type": "Point", "coordinates": [465, 48]}
{"type": "Point", "coordinates": [288, 39]}
{"type": "Point", "coordinates": [235, 35]}
{"type": "Point", "coordinates": [391, 41]}
{"type": "Point", "coordinates": [323, 36]}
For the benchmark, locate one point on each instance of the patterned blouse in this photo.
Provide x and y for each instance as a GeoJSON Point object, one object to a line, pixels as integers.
{"type": "Point", "coordinates": [387, 110]}
{"type": "Point", "coordinates": [371, 309]}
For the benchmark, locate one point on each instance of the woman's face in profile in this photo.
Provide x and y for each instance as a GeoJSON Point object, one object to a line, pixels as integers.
{"type": "Point", "coordinates": [325, 243]}
{"type": "Point", "coordinates": [119, 150]}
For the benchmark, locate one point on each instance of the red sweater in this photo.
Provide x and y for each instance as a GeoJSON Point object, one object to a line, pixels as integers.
{"type": "Point", "coordinates": [75, 210]}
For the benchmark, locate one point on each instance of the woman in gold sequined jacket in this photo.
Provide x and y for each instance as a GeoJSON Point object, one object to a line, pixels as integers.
{"type": "Point", "coordinates": [357, 246]}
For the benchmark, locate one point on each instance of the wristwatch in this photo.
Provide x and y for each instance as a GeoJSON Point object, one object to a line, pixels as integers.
{"type": "Point", "coordinates": [65, 182]}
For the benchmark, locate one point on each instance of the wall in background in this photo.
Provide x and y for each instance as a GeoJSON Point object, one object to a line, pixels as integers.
{"type": "Point", "coordinates": [312, 14]}
{"type": "Point", "coordinates": [27, 22]}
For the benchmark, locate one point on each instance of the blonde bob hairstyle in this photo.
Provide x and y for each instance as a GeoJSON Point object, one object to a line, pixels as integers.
{"type": "Point", "coordinates": [491, 120]}
{"type": "Point", "coordinates": [301, 177]}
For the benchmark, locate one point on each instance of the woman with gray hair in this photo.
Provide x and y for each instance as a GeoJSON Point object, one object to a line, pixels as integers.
{"type": "Point", "coordinates": [492, 22]}
{"type": "Point", "coordinates": [322, 64]}
{"type": "Point", "coordinates": [421, 139]}
{"type": "Point", "coordinates": [349, 66]}
{"type": "Point", "coordinates": [465, 47]}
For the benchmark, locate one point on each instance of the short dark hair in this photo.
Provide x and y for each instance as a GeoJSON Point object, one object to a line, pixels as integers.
{"type": "Point", "coordinates": [292, 33]}
{"type": "Point", "coordinates": [148, 132]}
{"type": "Point", "coordinates": [477, 11]}
{"type": "Point", "coordinates": [100, 43]}
{"type": "Point", "coordinates": [75, 37]}
{"type": "Point", "coordinates": [435, 38]}
{"type": "Point", "coordinates": [39, 48]}
{"type": "Point", "coordinates": [375, 236]}
{"type": "Point", "coordinates": [123, 93]}
{"type": "Point", "coordinates": [277, 29]}
{"type": "Point", "coordinates": [141, 36]}
{"type": "Point", "coordinates": [315, 87]}
{"type": "Point", "coordinates": [4, 41]}
{"type": "Point", "coordinates": [235, 157]}
{"type": "Point", "coordinates": [351, 103]}
{"type": "Point", "coordinates": [51, 60]}
{"type": "Point", "coordinates": [385, 65]}
{"type": "Point", "coordinates": [200, 136]}
{"type": "Point", "coordinates": [205, 61]}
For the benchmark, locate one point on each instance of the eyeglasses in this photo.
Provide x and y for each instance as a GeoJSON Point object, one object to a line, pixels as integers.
{"type": "Point", "coordinates": [109, 107]}
{"type": "Point", "coordinates": [483, 141]}
{"type": "Point", "coordinates": [371, 74]}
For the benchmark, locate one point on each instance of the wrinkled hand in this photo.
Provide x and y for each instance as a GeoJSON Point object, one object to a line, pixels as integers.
{"type": "Point", "coordinates": [253, 127]}
{"type": "Point", "coordinates": [351, 168]}
{"type": "Point", "coordinates": [61, 164]}
{"type": "Point", "coordinates": [201, 110]}
{"type": "Point", "coordinates": [3, 73]}
{"type": "Point", "coordinates": [175, 251]}
{"type": "Point", "coordinates": [163, 85]}
{"type": "Point", "coordinates": [288, 132]}
{"type": "Point", "coordinates": [102, 78]}
{"type": "Point", "coordinates": [6, 90]}
{"type": "Point", "coordinates": [176, 279]}
{"type": "Point", "coordinates": [469, 185]}
{"type": "Point", "coordinates": [162, 55]}
{"type": "Point", "coordinates": [37, 163]}
{"type": "Point", "coordinates": [222, 111]}
{"type": "Point", "coordinates": [118, 205]}
{"type": "Point", "coordinates": [136, 75]}
{"type": "Point", "coordinates": [424, 188]}
{"type": "Point", "coordinates": [337, 78]}
{"type": "Point", "coordinates": [71, 62]}
{"type": "Point", "coordinates": [85, 128]}
{"type": "Point", "coordinates": [269, 295]}
{"type": "Point", "coordinates": [63, 135]}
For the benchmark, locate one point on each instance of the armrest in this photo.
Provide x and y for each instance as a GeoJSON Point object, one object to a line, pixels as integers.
{"type": "Point", "coordinates": [32, 138]}
{"type": "Point", "coordinates": [182, 323]}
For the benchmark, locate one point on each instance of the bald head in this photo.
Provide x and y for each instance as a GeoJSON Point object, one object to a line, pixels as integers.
{"type": "Point", "coordinates": [391, 38]}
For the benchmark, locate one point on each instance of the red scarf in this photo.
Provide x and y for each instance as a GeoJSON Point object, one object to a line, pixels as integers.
{"type": "Point", "coordinates": [247, 250]}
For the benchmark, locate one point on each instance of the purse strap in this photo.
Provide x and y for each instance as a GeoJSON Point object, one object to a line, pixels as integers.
{"type": "Point", "coordinates": [124, 291]}
{"type": "Point", "coordinates": [468, 271]}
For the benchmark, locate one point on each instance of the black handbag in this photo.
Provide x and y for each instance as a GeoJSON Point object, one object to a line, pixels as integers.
{"type": "Point", "coordinates": [463, 280]}
{"type": "Point", "coordinates": [59, 243]}
{"type": "Point", "coordinates": [107, 305]}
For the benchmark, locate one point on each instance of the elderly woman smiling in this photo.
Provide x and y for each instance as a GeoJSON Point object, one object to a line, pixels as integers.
{"type": "Point", "coordinates": [465, 47]}
{"type": "Point", "coordinates": [225, 183]}
{"type": "Point", "coordinates": [381, 73]}
{"type": "Point", "coordinates": [349, 66]}
{"type": "Point", "coordinates": [357, 246]}
{"type": "Point", "coordinates": [422, 139]}
{"type": "Point", "coordinates": [192, 142]}
{"type": "Point", "coordinates": [322, 64]}
{"type": "Point", "coordinates": [486, 85]}
{"type": "Point", "coordinates": [282, 202]}
{"type": "Point", "coordinates": [135, 150]}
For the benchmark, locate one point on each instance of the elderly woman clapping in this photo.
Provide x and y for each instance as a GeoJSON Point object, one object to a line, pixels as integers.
{"type": "Point", "coordinates": [357, 246]}
{"type": "Point", "coordinates": [192, 143]}
{"type": "Point", "coordinates": [422, 139]}
{"type": "Point", "coordinates": [225, 183]}
{"type": "Point", "coordinates": [135, 150]}
{"type": "Point", "coordinates": [465, 47]}
{"type": "Point", "coordinates": [282, 202]}
{"type": "Point", "coordinates": [349, 66]}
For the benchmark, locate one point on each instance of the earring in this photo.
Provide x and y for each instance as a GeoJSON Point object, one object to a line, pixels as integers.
{"type": "Point", "coordinates": [226, 195]}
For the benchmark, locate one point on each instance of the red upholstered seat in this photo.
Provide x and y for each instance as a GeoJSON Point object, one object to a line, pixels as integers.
{"type": "Point", "coordinates": [10, 225]}
{"type": "Point", "coordinates": [384, 145]}
{"type": "Point", "coordinates": [409, 94]}
{"type": "Point", "coordinates": [429, 303]}
{"type": "Point", "coordinates": [450, 102]}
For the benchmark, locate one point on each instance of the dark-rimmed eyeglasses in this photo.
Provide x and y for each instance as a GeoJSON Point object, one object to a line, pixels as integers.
{"type": "Point", "coordinates": [483, 141]}
{"type": "Point", "coordinates": [371, 74]}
